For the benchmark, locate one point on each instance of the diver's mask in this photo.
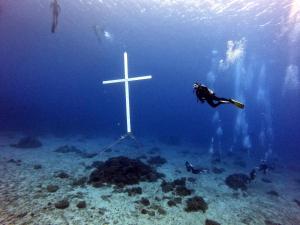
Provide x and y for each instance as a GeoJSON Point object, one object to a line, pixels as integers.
{"type": "Point", "coordinates": [195, 85]}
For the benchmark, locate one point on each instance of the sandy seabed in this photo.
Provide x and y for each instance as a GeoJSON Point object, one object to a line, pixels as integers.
{"type": "Point", "coordinates": [24, 198]}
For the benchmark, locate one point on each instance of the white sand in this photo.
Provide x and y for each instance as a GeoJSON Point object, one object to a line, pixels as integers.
{"type": "Point", "coordinates": [24, 198]}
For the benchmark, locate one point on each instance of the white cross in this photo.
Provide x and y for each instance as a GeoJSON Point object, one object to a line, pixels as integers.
{"type": "Point", "coordinates": [126, 81]}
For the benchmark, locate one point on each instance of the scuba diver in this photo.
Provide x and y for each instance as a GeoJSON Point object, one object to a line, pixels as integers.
{"type": "Point", "coordinates": [264, 167]}
{"type": "Point", "coordinates": [203, 93]}
{"type": "Point", "coordinates": [99, 32]}
{"type": "Point", "coordinates": [55, 12]}
{"type": "Point", "coordinates": [190, 168]}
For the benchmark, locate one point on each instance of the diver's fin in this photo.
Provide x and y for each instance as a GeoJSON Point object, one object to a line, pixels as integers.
{"type": "Point", "coordinates": [53, 28]}
{"type": "Point", "coordinates": [237, 104]}
{"type": "Point", "coordinates": [224, 102]}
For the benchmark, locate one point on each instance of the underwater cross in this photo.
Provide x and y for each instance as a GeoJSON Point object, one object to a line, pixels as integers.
{"type": "Point", "coordinates": [126, 81]}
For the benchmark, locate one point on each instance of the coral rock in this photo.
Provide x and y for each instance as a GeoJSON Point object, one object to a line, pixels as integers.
{"type": "Point", "coordinates": [180, 182]}
{"type": "Point", "coordinates": [27, 142]}
{"type": "Point", "coordinates": [37, 167]}
{"type": "Point", "coordinates": [171, 203]}
{"type": "Point", "coordinates": [123, 171]}
{"type": "Point", "coordinates": [61, 174]}
{"type": "Point", "coordinates": [144, 211]}
{"type": "Point", "coordinates": [211, 222]}
{"type": "Point", "coordinates": [161, 211]}
{"type": "Point", "coordinates": [79, 181]}
{"type": "Point", "coordinates": [167, 186]}
{"type": "Point", "coordinates": [145, 201]}
{"type": "Point", "coordinates": [63, 204]}
{"type": "Point", "coordinates": [273, 193]}
{"type": "Point", "coordinates": [52, 188]}
{"type": "Point", "coordinates": [156, 161]}
{"type": "Point", "coordinates": [81, 205]}
{"type": "Point", "coordinates": [237, 181]}
{"type": "Point", "coordinates": [183, 191]}
{"type": "Point", "coordinates": [217, 170]}
{"type": "Point", "coordinates": [297, 202]}
{"type": "Point", "coordinates": [134, 191]}
{"type": "Point", "coordinates": [195, 204]}
{"type": "Point", "coordinates": [73, 149]}
{"type": "Point", "coordinates": [269, 222]}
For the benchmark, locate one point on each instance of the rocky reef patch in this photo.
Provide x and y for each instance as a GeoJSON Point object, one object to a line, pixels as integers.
{"type": "Point", "coordinates": [28, 142]}
{"type": "Point", "coordinates": [122, 171]}
{"type": "Point", "coordinates": [237, 181]}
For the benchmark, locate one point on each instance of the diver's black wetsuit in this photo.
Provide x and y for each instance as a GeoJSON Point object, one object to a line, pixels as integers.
{"type": "Point", "coordinates": [203, 93]}
{"type": "Point", "coordinates": [55, 12]}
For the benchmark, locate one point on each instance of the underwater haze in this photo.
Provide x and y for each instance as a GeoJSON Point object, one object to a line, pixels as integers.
{"type": "Point", "coordinates": [57, 117]}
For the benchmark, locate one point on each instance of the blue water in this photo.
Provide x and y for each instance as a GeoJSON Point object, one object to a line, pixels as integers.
{"type": "Point", "coordinates": [51, 83]}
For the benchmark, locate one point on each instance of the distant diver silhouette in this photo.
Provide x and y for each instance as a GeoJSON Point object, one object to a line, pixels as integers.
{"type": "Point", "coordinates": [99, 32]}
{"type": "Point", "coordinates": [264, 167]}
{"type": "Point", "coordinates": [190, 168]}
{"type": "Point", "coordinates": [205, 94]}
{"type": "Point", "coordinates": [55, 13]}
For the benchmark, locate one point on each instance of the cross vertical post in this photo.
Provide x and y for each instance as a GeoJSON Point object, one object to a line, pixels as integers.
{"type": "Point", "coordinates": [126, 82]}
{"type": "Point", "coordinates": [127, 93]}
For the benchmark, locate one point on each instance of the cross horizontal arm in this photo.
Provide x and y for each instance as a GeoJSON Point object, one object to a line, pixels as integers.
{"type": "Point", "coordinates": [124, 80]}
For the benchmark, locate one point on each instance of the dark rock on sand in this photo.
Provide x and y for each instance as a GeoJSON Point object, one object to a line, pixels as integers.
{"type": "Point", "coordinates": [269, 222]}
{"type": "Point", "coordinates": [144, 211]}
{"type": "Point", "coordinates": [183, 191]}
{"type": "Point", "coordinates": [81, 181]}
{"type": "Point", "coordinates": [156, 161]}
{"type": "Point", "coordinates": [73, 149]}
{"type": "Point", "coordinates": [27, 142]}
{"type": "Point", "coordinates": [123, 171]}
{"type": "Point", "coordinates": [52, 188]}
{"type": "Point", "coordinates": [237, 181]}
{"type": "Point", "coordinates": [145, 201]}
{"type": "Point", "coordinates": [297, 202]}
{"type": "Point", "coordinates": [217, 170]}
{"type": "Point", "coordinates": [37, 167]}
{"type": "Point", "coordinates": [81, 205]}
{"type": "Point", "coordinates": [266, 180]}
{"type": "Point", "coordinates": [67, 149]}
{"type": "Point", "coordinates": [151, 213]}
{"type": "Point", "coordinates": [195, 204]}
{"type": "Point", "coordinates": [273, 193]}
{"type": "Point", "coordinates": [180, 182]}
{"type": "Point", "coordinates": [211, 222]}
{"type": "Point", "coordinates": [161, 211]}
{"type": "Point", "coordinates": [106, 197]}
{"type": "Point", "coordinates": [178, 200]}
{"type": "Point", "coordinates": [166, 186]}
{"type": "Point", "coordinates": [171, 203]}
{"type": "Point", "coordinates": [97, 164]}
{"type": "Point", "coordinates": [134, 191]}
{"type": "Point", "coordinates": [17, 162]}
{"type": "Point", "coordinates": [61, 174]}
{"type": "Point", "coordinates": [178, 185]}
{"type": "Point", "coordinates": [62, 204]}
{"type": "Point", "coordinates": [102, 211]}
